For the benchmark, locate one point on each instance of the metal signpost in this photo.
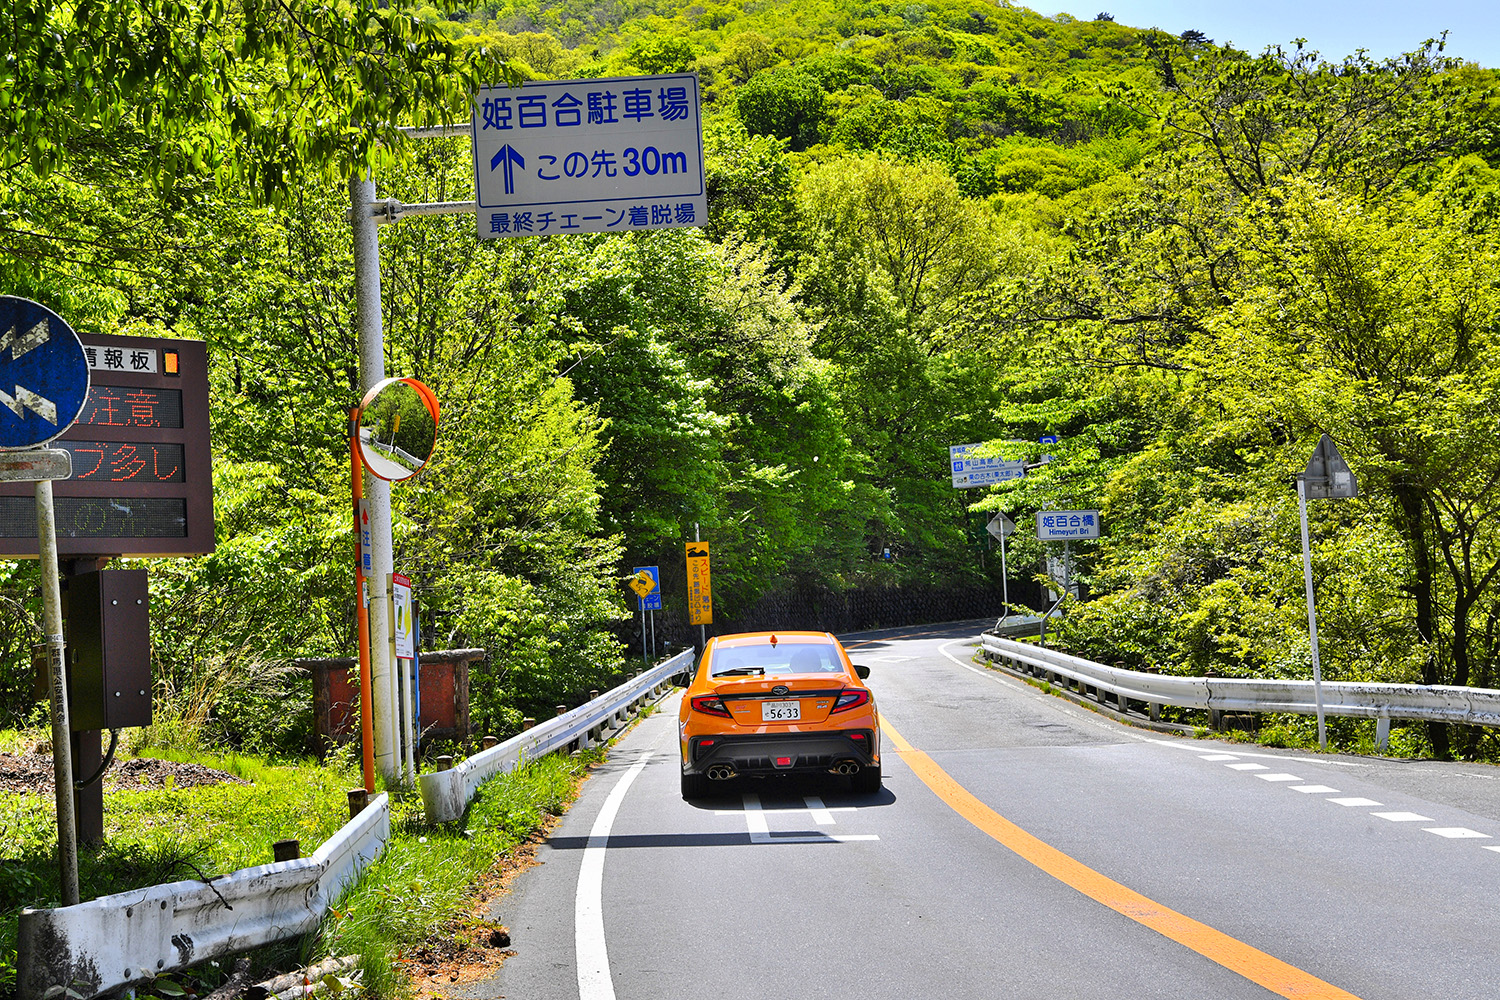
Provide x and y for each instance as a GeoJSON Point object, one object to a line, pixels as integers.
{"type": "Point", "coordinates": [1327, 477]}
{"type": "Point", "coordinates": [44, 383]}
{"type": "Point", "coordinates": [1065, 526]}
{"type": "Point", "coordinates": [575, 156]}
{"type": "Point", "coordinates": [1002, 528]}
{"type": "Point", "coordinates": [700, 590]}
{"type": "Point", "coordinates": [647, 587]}
{"type": "Point", "coordinates": [589, 156]}
{"type": "Point", "coordinates": [969, 470]}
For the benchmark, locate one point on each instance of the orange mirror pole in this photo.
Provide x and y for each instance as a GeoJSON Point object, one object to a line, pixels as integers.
{"type": "Point", "coordinates": [366, 712]}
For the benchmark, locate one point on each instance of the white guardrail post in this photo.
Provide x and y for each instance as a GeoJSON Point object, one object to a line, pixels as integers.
{"type": "Point", "coordinates": [130, 937]}
{"type": "Point", "coordinates": [1473, 706]}
{"type": "Point", "coordinates": [446, 794]}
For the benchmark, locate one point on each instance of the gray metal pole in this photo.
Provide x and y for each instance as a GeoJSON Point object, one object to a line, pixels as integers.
{"type": "Point", "coordinates": [645, 655]}
{"type": "Point", "coordinates": [1004, 580]}
{"type": "Point", "coordinates": [1312, 614]}
{"type": "Point", "coordinates": [62, 751]}
{"type": "Point", "coordinates": [377, 491]}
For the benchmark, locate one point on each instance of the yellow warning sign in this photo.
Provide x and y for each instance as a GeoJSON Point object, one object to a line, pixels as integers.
{"type": "Point", "coordinates": [642, 583]}
{"type": "Point", "coordinates": [700, 593]}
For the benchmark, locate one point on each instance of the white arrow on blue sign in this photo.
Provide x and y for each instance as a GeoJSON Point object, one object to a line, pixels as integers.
{"type": "Point", "coordinates": [44, 374]}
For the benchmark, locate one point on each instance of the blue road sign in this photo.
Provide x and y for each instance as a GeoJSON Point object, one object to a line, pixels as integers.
{"type": "Point", "coordinates": [44, 374]}
{"type": "Point", "coordinates": [652, 601]}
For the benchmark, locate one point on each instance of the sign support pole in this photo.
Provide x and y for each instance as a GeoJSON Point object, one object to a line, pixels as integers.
{"type": "Point", "coordinates": [645, 657]}
{"type": "Point", "coordinates": [1312, 614]}
{"type": "Point", "coordinates": [1004, 580]}
{"type": "Point", "coordinates": [62, 760]}
{"type": "Point", "coordinates": [371, 371]}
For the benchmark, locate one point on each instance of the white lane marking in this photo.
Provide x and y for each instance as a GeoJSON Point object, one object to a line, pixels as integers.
{"type": "Point", "coordinates": [594, 982]}
{"type": "Point", "coordinates": [1315, 789]}
{"type": "Point", "coordinates": [1491, 848]}
{"type": "Point", "coordinates": [1218, 756]}
{"type": "Point", "coordinates": [820, 813]}
{"type": "Point", "coordinates": [1278, 777]}
{"type": "Point", "coordinates": [1456, 833]}
{"type": "Point", "coordinates": [760, 830]}
{"type": "Point", "coordinates": [1353, 802]}
{"type": "Point", "coordinates": [1404, 817]}
{"type": "Point", "coordinates": [892, 659]}
{"type": "Point", "coordinates": [1247, 767]}
{"type": "Point", "coordinates": [1196, 746]}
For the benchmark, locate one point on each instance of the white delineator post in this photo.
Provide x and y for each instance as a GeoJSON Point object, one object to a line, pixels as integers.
{"type": "Point", "coordinates": [377, 491]}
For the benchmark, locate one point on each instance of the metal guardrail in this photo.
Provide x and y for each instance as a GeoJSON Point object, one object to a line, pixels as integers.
{"type": "Point", "coordinates": [446, 794]}
{"type": "Point", "coordinates": [130, 937]}
{"type": "Point", "coordinates": [1474, 706]}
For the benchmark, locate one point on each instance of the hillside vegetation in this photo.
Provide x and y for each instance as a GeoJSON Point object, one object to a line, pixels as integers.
{"type": "Point", "coordinates": [931, 224]}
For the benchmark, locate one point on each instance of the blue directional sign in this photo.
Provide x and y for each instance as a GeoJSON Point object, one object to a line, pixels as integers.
{"type": "Point", "coordinates": [44, 374]}
{"type": "Point", "coordinates": [589, 156]}
{"type": "Point", "coordinates": [652, 601]}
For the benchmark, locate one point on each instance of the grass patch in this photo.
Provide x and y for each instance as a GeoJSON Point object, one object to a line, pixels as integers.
{"type": "Point", "coordinates": [423, 882]}
{"type": "Point", "coordinates": [426, 877]}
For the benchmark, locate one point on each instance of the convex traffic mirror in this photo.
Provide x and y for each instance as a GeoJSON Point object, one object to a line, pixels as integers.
{"type": "Point", "coordinates": [397, 423]}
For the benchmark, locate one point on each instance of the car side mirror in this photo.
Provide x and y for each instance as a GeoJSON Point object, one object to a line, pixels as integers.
{"type": "Point", "coordinates": [862, 671]}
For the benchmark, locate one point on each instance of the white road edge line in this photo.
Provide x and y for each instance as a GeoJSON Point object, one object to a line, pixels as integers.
{"type": "Point", "coordinates": [594, 981]}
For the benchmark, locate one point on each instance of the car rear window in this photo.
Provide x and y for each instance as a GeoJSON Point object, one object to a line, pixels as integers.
{"type": "Point", "coordinates": [783, 658]}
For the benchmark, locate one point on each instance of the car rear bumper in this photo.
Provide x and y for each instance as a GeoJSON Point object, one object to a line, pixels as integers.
{"type": "Point", "coordinates": [761, 753]}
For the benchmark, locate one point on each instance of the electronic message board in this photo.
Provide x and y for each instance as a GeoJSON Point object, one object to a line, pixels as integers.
{"type": "Point", "coordinates": [142, 482]}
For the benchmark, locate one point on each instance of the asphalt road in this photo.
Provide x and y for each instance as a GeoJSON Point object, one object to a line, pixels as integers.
{"type": "Point", "coordinates": [1022, 847]}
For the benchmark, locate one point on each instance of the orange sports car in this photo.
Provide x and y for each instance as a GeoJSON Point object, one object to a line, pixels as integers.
{"type": "Point", "coordinates": [764, 703]}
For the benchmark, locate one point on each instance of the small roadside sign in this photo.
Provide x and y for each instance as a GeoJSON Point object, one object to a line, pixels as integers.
{"type": "Point", "coordinates": [44, 375]}
{"type": "Point", "coordinates": [589, 156]}
{"type": "Point", "coordinates": [1327, 477]}
{"type": "Point", "coordinates": [366, 546]}
{"type": "Point", "coordinates": [700, 592]}
{"type": "Point", "coordinates": [1066, 525]}
{"type": "Point", "coordinates": [1001, 526]}
{"type": "Point", "coordinates": [647, 589]}
{"type": "Point", "coordinates": [401, 622]}
{"type": "Point", "coordinates": [34, 466]}
{"type": "Point", "coordinates": [969, 469]}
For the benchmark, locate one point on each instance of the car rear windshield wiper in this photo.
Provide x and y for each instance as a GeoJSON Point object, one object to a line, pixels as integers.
{"type": "Point", "coordinates": [739, 671]}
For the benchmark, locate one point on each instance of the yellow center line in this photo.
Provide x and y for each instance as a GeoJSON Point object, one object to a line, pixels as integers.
{"type": "Point", "coordinates": [1236, 956]}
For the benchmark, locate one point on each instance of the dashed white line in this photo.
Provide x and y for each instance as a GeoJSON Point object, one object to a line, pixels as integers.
{"type": "Point", "coordinates": [1278, 777]}
{"type": "Point", "coordinates": [1354, 802]}
{"type": "Point", "coordinates": [1315, 789]}
{"type": "Point", "coordinates": [1456, 833]}
{"type": "Point", "coordinates": [1245, 766]}
{"type": "Point", "coordinates": [1404, 817]}
{"type": "Point", "coordinates": [820, 813]}
{"type": "Point", "coordinates": [1217, 756]}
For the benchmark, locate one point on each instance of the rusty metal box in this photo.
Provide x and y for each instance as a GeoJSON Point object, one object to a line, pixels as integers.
{"type": "Point", "coordinates": [109, 650]}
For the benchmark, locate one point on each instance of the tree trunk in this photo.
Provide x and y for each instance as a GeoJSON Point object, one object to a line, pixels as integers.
{"type": "Point", "coordinates": [1412, 525]}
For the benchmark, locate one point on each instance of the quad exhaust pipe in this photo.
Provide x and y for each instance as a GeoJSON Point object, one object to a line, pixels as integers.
{"type": "Point", "coordinates": [846, 767]}
{"type": "Point", "coordinates": [720, 772]}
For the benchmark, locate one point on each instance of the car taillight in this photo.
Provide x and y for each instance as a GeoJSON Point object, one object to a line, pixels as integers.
{"type": "Point", "coordinates": [851, 699]}
{"type": "Point", "coordinates": [709, 704]}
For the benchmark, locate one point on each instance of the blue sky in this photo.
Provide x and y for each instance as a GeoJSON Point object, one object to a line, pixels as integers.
{"type": "Point", "coordinates": [1334, 27]}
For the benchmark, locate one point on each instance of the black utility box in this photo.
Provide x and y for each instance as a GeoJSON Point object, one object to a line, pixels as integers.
{"type": "Point", "coordinates": [109, 650]}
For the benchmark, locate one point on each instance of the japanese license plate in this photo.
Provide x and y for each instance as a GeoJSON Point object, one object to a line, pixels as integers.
{"type": "Point", "coordinates": [780, 711]}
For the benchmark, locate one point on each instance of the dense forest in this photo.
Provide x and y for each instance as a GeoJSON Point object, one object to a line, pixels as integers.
{"type": "Point", "coordinates": [930, 223]}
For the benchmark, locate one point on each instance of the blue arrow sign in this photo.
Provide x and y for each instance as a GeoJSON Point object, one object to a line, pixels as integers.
{"type": "Point", "coordinates": [508, 156]}
{"type": "Point", "coordinates": [44, 376]}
